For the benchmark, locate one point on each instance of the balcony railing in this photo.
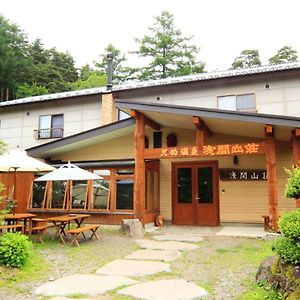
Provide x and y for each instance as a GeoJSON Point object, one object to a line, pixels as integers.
{"type": "Point", "coordinates": [49, 133]}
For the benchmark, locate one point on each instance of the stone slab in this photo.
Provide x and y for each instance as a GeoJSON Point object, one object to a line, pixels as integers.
{"type": "Point", "coordinates": [162, 255]}
{"type": "Point", "coordinates": [179, 238]}
{"type": "Point", "coordinates": [89, 284]}
{"type": "Point", "coordinates": [165, 290]}
{"type": "Point", "coordinates": [134, 227]}
{"type": "Point", "coordinates": [125, 267]}
{"type": "Point", "coordinates": [249, 232]}
{"type": "Point", "coordinates": [166, 245]}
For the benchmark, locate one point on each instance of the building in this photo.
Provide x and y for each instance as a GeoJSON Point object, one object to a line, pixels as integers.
{"type": "Point", "coordinates": [199, 150]}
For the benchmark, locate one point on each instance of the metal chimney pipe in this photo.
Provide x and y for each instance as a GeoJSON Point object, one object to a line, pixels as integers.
{"type": "Point", "coordinates": [110, 57]}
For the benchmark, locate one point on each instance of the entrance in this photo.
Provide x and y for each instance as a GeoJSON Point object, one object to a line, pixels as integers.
{"type": "Point", "coordinates": [195, 193]}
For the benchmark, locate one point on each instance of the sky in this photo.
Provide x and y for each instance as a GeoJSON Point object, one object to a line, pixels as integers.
{"type": "Point", "coordinates": [221, 28]}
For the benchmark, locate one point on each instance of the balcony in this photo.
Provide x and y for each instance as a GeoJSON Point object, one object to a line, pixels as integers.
{"type": "Point", "coordinates": [49, 133]}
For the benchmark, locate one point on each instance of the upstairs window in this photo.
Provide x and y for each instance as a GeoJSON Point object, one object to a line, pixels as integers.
{"type": "Point", "coordinates": [245, 102]}
{"type": "Point", "coordinates": [51, 126]}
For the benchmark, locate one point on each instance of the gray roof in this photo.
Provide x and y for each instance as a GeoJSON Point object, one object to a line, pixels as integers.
{"type": "Point", "coordinates": [160, 82]}
{"type": "Point", "coordinates": [210, 113]}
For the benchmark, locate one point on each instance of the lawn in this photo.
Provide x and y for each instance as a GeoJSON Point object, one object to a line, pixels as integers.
{"type": "Point", "coordinates": [225, 266]}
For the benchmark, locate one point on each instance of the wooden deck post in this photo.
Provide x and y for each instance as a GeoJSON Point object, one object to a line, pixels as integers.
{"type": "Point", "coordinates": [272, 179]}
{"type": "Point", "coordinates": [139, 174]}
{"type": "Point", "coordinates": [296, 153]}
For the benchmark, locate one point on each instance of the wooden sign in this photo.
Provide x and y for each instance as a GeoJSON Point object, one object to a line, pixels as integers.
{"type": "Point", "coordinates": [206, 150]}
{"type": "Point", "coordinates": [237, 175]}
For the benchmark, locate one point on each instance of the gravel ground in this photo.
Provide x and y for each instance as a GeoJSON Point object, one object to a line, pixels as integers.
{"type": "Point", "coordinates": [221, 264]}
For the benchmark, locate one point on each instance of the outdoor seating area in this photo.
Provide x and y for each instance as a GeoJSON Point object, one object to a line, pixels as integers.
{"type": "Point", "coordinates": [70, 225]}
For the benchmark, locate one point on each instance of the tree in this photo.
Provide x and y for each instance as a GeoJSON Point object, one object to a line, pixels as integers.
{"type": "Point", "coordinates": [247, 58]}
{"type": "Point", "coordinates": [119, 71]}
{"type": "Point", "coordinates": [94, 80]}
{"type": "Point", "coordinates": [26, 90]}
{"type": "Point", "coordinates": [284, 55]}
{"type": "Point", "coordinates": [170, 53]}
{"type": "Point", "coordinates": [13, 49]}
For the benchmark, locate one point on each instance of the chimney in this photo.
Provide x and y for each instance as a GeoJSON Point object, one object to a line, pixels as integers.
{"type": "Point", "coordinates": [110, 57]}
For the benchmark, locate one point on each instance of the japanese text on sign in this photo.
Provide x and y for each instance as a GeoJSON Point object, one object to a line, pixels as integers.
{"type": "Point", "coordinates": [235, 174]}
{"type": "Point", "coordinates": [210, 150]}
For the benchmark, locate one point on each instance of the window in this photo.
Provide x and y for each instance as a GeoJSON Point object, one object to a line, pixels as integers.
{"type": "Point", "coordinates": [38, 191]}
{"type": "Point", "coordinates": [79, 194]}
{"type": "Point", "coordinates": [122, 115]}
{"type": "Point", "coordinates": [244, 102]}
{"type": "Point", "coordinates": [51, 126]}
{"type": "Point", "coordinates": [157, 139]}
{"type": "Point", "coordinates": [58, 194]}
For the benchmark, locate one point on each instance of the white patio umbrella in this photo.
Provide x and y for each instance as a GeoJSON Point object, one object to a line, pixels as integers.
{"type": "Point", "coordinates": [68, 172]}
{"type": "Point", "coordinates": [18, 161]}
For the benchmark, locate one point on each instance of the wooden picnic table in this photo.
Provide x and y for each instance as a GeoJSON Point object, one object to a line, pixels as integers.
{"type": "Point", "coordinates": [12, 219]}
{"type": "Point", "coordinates": [60, 222]}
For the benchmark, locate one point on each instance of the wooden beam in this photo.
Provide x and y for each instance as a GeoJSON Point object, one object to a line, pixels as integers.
{"type": "Point", "coordinates": [150, 123]}
{"type": "Point", "coordinates": [199, 132]}
{"type": "Point", "coordinates": [207, 151]}
{"type": "Point", "coordinates": [199, 123]}
{"type": "Point", "coordinates": [272, 182]}
{"type": "Point", "coordinates": [140, 168]}
{"type": "Point", "coordinates": [269, 130]}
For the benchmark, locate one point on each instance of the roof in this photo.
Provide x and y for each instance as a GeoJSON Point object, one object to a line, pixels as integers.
{"type": "Point", "coordinates": [242, 124]}
{"type": "Point", "coordinates": [82, 139]}
{"type": "Point", "coordinates": [225, 122]}
{"type": "Point", "coordinates": [160, 82]}
{"type": "Point", "coordinates": [209, 112]}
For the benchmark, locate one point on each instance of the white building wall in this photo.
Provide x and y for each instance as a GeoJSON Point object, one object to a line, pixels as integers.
{"type": "Point", "coordinates": [19, 122]}
{"type": "Point", "coordinates": [281, 98]}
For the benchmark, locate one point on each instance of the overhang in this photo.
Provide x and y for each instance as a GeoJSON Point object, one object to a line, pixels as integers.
{"type": "Point", "coordinates": [83, 139]}
{"type": "Point", "coordinates": [218, 121]}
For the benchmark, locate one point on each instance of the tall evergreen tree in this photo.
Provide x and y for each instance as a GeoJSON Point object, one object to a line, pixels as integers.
{"type": "Point", "coordinates": [247, 58]}
{"type": "Point", "coordinates": [13, 63]}
{"type": "Point", "coordinates": [284, 55]}
{"type": "Point", "coordinates": [119, 71]}
{"type": "Point", "coordinates": [169, 52]}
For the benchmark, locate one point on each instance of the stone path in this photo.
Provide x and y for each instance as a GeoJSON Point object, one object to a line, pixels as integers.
{"type": "Point", "coordinates": [148, 261]}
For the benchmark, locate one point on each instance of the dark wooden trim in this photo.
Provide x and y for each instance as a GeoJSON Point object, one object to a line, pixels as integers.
{"type": "Point", "coordinates": [272, 182]}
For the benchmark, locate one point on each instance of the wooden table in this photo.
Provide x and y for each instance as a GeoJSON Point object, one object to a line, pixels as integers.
{"type": "Point", "coordinates": [17, 218]}
{"type": "Point", "coordinates": [61, 222]}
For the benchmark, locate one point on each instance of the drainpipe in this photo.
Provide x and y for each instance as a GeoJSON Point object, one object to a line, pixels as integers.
{"type": "Point", "coordinates": [110, 57]}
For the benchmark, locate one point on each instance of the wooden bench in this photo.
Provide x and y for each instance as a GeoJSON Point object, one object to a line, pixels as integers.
{"type": "Point", "coordinates": [14, 226]}
{"type": "Point", "coordinates": [40, 230]}
{"type": "Point", "coordinates": [75, 232]}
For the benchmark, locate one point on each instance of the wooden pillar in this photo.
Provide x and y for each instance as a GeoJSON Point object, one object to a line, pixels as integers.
{"type": "Point", "coordinates": [199, 132]}
{"type": "Point", "coordinates": [272, 177]}
{"type": "Point", "coordinates": [296, 153]}
{"type": "Point", "coordinates": [139, 174]}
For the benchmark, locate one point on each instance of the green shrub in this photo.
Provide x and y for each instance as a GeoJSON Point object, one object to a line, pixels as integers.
{"type": "Point", "coordinates": [289, 224]}
{"type": "Point", "coordinates": [14, 249]}
{"type": "Point", "coordinates": [292, 188]}
{"type": "Point", "coordinates": [287, 249]}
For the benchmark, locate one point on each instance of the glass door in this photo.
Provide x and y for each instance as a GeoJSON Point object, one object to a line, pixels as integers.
{"type": "Point", "coordinates": [195, 193]}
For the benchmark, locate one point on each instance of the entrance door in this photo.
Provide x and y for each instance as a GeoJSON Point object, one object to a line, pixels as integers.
{"type": "Point", "coordinates": [195, 193]}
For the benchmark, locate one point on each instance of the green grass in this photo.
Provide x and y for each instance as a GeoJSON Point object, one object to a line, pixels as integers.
{"type": "Point", "coordinates": [216, 259]}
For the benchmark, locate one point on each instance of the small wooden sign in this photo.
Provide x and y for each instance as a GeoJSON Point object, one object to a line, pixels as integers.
{"type": "Point", "coordinates": [244, 175]}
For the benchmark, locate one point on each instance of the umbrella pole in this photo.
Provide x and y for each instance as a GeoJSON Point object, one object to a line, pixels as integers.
{"type": "Point", "coordinates": [14, 200]}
